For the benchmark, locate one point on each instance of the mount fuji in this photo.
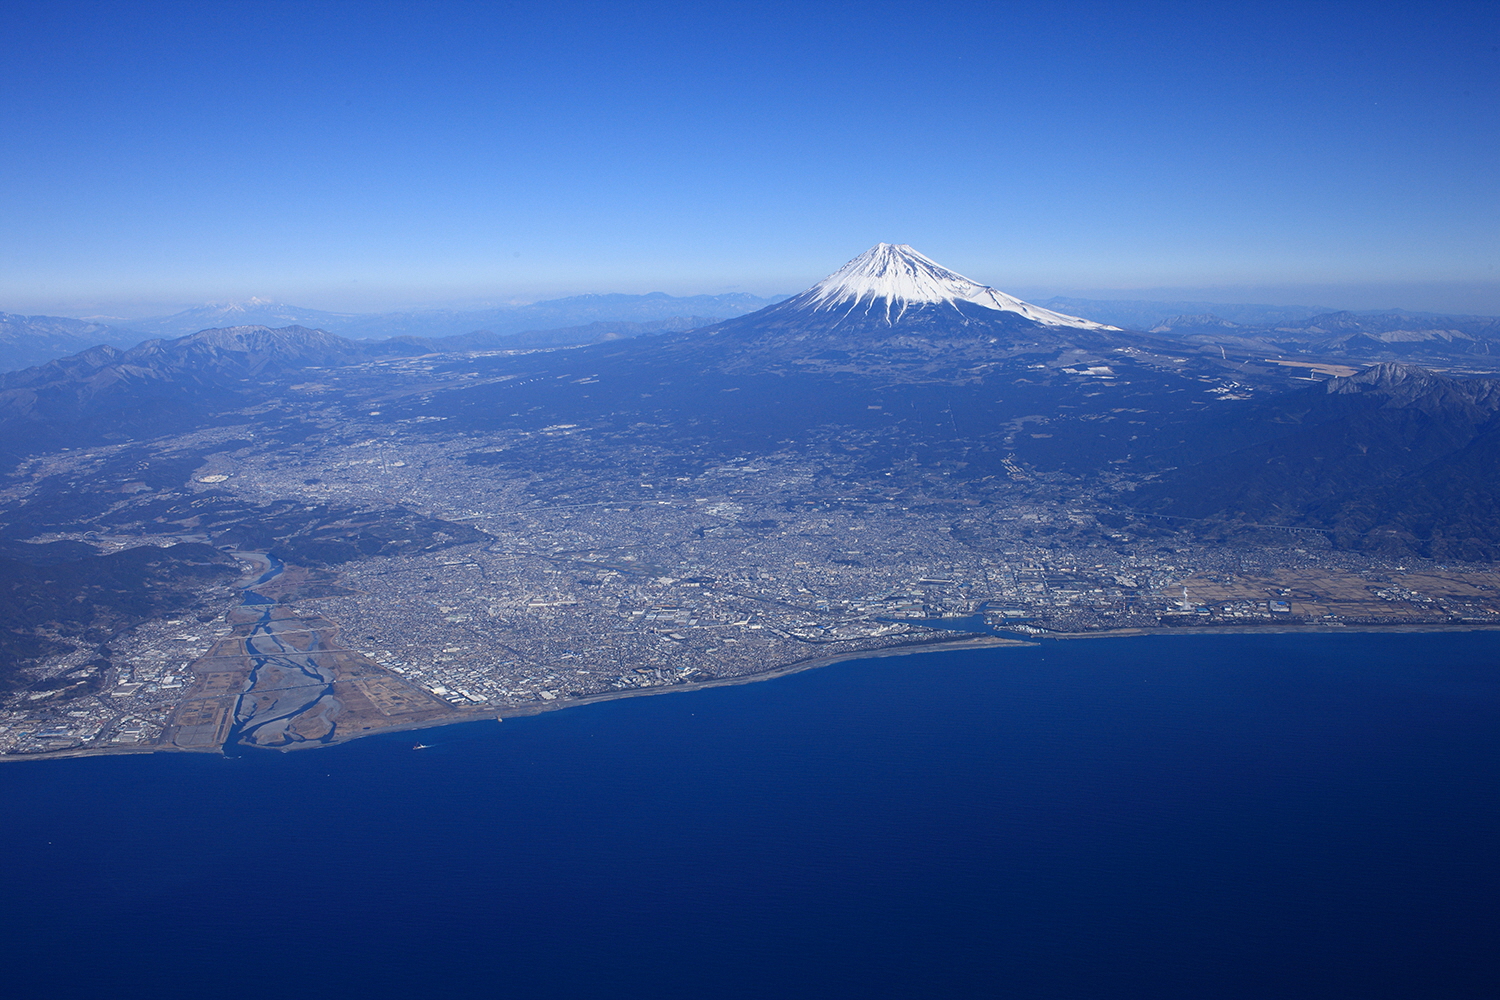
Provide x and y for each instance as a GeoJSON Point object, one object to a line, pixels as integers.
{"type": "Point", "coordinates": [893, 283]}
{"type": "Point", "coordinates": [894, 305]}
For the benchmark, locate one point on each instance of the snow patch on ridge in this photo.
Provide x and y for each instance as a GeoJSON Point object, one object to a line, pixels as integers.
{"type": "Point", "coordinates": [892, 277]}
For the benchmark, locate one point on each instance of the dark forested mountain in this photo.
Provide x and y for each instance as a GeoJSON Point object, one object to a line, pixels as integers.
{"type": "Point", "coordinates": [202, 357]}
{"type": "Point", "coordinates": [107, 393]}
{"type": "Point", "coordinates": [91, 597]}
{"type": "Point", "coordinates": [171, 383]}
{"type": "Point", "coordinates": [1395, 459]}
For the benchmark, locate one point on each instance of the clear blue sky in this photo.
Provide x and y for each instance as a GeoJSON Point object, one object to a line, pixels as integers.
{"type": "Point", "coordinates": [364, 155]}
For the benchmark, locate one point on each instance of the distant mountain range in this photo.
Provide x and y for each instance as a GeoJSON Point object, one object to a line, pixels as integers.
{"type": "Point", "coordinates": [1143, 314]}
{"type": "Point", "coordinates": [583, 319]}
{"type": "Point", "coordinates": [251, 312]}
{"type": "Point", "coordinates": [35, 340]}
{"type": "Point", "coordinates": [1367, 337]}
{"type": "Point", "coordinates": [568, 336]}
{"type": "Point", "coordinates": [575, 311]}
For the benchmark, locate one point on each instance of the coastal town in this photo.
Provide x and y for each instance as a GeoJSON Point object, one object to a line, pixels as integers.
{"type": "Point", "coordinates": [550, 592]}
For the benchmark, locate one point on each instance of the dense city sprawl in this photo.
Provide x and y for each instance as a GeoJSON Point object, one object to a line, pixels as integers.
{"type": "Point", "coordinates": [572, 587]}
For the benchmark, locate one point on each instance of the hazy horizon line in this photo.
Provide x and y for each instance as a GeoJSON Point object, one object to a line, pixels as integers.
{"type": "Point", "coordinates": [1446, 298]}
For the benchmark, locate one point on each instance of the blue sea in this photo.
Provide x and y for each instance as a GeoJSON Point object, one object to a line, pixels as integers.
{"type": "Point", "coordinates": [1266, 816]}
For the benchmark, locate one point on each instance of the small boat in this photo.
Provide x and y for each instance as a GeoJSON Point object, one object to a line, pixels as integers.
{"type": "Point", "coordinates": [421, 746]}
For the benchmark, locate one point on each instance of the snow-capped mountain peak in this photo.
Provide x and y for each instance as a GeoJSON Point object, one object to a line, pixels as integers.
{"type": "Point", "coordinates": [892, 277]}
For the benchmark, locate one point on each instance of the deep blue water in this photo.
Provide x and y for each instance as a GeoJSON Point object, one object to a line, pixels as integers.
{"type": "Point", "coordinates": [1177, 817]}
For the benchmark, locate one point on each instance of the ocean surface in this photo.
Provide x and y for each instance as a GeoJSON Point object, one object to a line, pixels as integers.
{"type": "Point", "coordinates": [1195, 817]}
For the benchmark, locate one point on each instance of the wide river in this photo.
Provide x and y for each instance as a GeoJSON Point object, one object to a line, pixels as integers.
{"type": "Point", "coordinates": [1167, 817]}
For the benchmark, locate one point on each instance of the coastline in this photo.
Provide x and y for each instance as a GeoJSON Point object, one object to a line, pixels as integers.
{"type": "Point", "coordinates": [1275, 629]}
{"type": "Point", "coordinates": [937, 645]}
{"type": "Point", "coordinates": [812, 663]}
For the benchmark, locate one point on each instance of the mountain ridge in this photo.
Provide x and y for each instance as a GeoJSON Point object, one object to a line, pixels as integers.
{"type": "Point", "coordinates": [1381, 459]}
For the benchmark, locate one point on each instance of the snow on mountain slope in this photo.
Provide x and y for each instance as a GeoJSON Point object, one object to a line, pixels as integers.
{"type": "Point", "coordinates": [892, 277]}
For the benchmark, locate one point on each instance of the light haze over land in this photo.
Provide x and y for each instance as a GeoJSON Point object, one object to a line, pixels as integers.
{"type": "Point", "coordinates": [372, 157]}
